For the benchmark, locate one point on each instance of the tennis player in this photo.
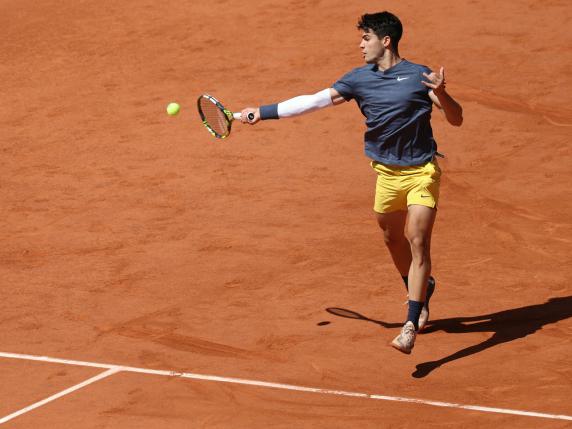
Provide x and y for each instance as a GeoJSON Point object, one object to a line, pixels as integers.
{"type": "Point", "coordinates": [396, 97]}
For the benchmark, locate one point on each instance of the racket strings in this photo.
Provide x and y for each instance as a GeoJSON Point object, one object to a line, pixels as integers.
{"type": "Point", "coordinates": [215, 117]}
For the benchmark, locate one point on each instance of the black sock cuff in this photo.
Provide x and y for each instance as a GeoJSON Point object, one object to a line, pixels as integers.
{"type": "Point", "coordinates": [414, 312]}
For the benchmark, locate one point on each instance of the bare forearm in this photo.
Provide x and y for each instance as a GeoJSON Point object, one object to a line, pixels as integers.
{"type": "Point", "coordinates": [436, 82]}
{"type": "Point", "coordinates": [453, 110]}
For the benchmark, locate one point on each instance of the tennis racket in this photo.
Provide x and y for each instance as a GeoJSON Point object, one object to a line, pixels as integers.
{"type": "Point", "coordinates": [217, 119]}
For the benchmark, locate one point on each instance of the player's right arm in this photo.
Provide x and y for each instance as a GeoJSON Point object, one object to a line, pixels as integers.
{"type": "Point", "coordinates": [294, 106]}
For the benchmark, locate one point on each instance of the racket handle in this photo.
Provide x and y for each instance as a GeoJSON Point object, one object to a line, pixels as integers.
{"type": "Point", "coordinates": [238, 115]}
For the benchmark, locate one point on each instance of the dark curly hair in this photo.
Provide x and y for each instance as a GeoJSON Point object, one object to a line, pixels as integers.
{"type": "Point", "coordinates": [383, 24]}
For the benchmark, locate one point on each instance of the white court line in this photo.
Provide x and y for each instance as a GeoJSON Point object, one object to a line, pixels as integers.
{"type": "Point", "coordinates": [98, 377]}
{"type": "Point", "coordinates": [117, 368]}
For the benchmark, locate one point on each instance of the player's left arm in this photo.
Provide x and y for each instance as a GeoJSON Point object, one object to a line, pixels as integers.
{"type": "Point", "coordinates": [438, 94]}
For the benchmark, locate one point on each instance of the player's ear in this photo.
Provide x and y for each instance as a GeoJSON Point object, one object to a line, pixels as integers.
{"type": "Point", "coordinates": [386, 41]}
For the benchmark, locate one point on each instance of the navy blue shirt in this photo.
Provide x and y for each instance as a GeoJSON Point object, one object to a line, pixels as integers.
{"type": "Point", "coordinates": [397, 108]}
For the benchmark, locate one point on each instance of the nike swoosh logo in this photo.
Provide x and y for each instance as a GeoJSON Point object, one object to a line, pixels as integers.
{"type": "Point", "coordinates": [399, 79]}
{"type": "Point", "coordinates": [425, 196]}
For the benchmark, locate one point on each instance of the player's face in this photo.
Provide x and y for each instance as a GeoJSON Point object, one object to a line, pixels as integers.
{"type": "Point", "coordinates": [372, 47]}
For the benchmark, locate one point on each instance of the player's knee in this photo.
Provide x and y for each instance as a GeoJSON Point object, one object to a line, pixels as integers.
{"type": "Point", "coordinates": [419, 243]}
{"type": "Point", "coordinates": [392, 239]}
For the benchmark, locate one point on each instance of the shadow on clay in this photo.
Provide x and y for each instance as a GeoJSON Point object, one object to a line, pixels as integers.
{"type": "Point", "coordinates": [507, 325]}
{"type": "Point", "coordinates": [349, 314]}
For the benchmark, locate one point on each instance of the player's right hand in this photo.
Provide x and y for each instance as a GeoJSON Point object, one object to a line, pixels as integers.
{"type": "Point", "coordinates": [244, 115]}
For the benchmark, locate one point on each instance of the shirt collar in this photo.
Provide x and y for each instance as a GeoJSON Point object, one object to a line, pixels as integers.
{"type": "Point", "coordinates": [375, 68]}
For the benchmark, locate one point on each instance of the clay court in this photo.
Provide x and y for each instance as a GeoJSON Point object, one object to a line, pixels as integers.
{"type": "Point", "coordinates": [155, 277]}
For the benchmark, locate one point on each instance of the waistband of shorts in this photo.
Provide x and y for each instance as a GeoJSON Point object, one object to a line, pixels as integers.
{"type": "Point", "coordinates": [401, 169]}
{"type": "Point", "coordinates": [397, 167]}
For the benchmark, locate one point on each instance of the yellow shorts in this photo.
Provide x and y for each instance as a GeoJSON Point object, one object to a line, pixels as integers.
{"type": "Point", "coordinates": [399, 187]}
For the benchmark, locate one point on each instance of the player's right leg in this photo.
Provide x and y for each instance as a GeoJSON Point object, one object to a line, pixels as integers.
{"type": "Point", "coordinates": [393, 226]}
{"type": "Point", "coordinates": [390, 207]}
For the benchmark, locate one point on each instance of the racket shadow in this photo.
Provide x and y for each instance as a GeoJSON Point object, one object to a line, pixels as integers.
{"type": "Point", "coordinates": [350, 314]}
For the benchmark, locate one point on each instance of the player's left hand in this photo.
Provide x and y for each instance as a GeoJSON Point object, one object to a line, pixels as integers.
{"type": "Point", "coordinates": [436, 81]}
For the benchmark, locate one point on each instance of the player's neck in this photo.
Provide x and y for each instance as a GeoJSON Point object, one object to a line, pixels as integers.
{"type": "Point", "coordinates": [388, 60]}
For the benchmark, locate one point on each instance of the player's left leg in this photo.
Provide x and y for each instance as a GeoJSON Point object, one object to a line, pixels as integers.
{"type": "Point", "coordinates": [420, 221]}
{"type": "Point", "coordinates": [422, 209]}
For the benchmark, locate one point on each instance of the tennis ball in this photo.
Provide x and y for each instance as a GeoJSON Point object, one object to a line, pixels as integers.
{"type": "Point", "coordinates": [173, 109]}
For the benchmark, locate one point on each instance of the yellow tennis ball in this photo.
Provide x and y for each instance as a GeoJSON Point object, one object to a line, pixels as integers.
{"type": "Point", "coordinates": [173, 109]}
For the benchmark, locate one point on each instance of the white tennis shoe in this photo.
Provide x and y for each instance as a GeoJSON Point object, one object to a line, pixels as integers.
{"type": "Point", "coordinates": [405, 341]}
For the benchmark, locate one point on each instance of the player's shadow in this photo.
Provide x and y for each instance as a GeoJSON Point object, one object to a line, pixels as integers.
{"type": "Point", "coordinates": [507, 325]}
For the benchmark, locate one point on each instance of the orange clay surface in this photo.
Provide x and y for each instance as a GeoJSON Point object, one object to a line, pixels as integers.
{"type": "Point", "coordinates": [129, 237]}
